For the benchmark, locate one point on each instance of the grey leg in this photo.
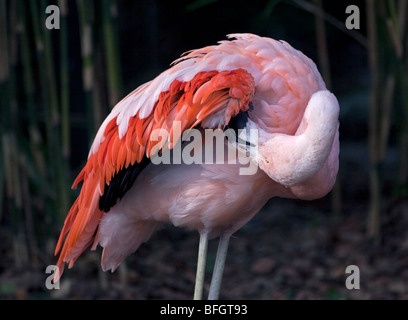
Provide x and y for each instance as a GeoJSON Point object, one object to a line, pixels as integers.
{"type": "Point", "coordinates": [202, 255]}
{"type": "Point", "coordinates": [219, 267]}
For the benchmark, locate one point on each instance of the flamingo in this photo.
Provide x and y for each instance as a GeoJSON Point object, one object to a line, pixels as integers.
{"type": "Point", "coordinates": [246, 82]}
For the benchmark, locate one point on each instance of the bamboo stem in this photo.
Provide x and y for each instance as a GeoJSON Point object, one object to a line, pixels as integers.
{"type": "Point", "coordinates": [4, 57]}
{"type": "Point", "coordinates": [12, 88]}
{"type": "Point", "coordinates": [39, 44]}
{"type": "Point", "coordinates": [397, 29]}
{"type": "Point", "coordinates": [324, 64]}
{"type": "Point", "coordinates": [50, 76]}
{"type": "Point", "coordinates": [111, 52]}
{"type": "Point", "coordinates": [87, 62]}
{"type": "Point", "coordinates": [58, 178]}
{"type": "Point", "coordinates": [373, 223]}
{"type": "Point", "coordinates": [57, 161]}
{"type": "Point", "coordinates": [323, 54]}
{"type": "Point", "coordinates": [386, 116]}
{"type": "Point", "coordinates": [2, 180]}
{"type": "Point", "coordinates": [403, 79]}
{"type": "Point", "coordinates": [64, 63]}
{"type": "Point", "coordinates": [13, 116]}
{"type": "Point", "coordinates": [5, 179]}
{"type": "Point", "coordinates": [29, 90]}
{"type": "Point", "coordinates": [4, 102]}
{"type": "Point", "coordinates": [28, 212]}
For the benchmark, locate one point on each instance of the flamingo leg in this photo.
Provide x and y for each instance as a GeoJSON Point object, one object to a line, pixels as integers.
{"type": "Point", "coordinates": [202, 256]}
{"type": "Point", "coordinates": [219, 267]}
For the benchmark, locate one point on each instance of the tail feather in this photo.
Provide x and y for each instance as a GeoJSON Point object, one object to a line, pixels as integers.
{"type": "Point", "coordinates": [80, 225]}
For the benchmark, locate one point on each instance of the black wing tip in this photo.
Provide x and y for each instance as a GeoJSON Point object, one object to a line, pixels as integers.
{"type": "Point", "coordinates": [120, 183]}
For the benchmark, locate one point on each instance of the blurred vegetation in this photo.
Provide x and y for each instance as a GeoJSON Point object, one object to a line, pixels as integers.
{"type": "Point", "coordinates": [57, 86]}
{"type": "Point", "coordinates": [36, 111]}
{"type": "Point", "coordinates": [388, 60]}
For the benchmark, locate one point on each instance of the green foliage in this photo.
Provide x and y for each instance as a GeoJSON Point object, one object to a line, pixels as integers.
{"type": "Point", "coordinates": [35, 116]}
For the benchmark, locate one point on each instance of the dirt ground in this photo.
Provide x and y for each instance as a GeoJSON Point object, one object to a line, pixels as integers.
{"type": "Point", "coordinates": [290, 250]}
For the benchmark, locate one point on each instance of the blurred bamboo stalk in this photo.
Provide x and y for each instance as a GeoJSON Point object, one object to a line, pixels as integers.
{"type": "Point", "coordinates": [373, 222]}
{"type": "Point", "coordinates": [35, 116]}
{"type": "Point", "coordinates": [383, 88]}
{"type": "Point", "coordinates": [13, 188]}
{"type": "Point", "coordinates": [400, 40]}
{"type": "Point", "coordinates": [385, 119]}
{"type": "Point", "coordinates": [34, 136]}
{"type": "Point", "coordinates": [87, 62]}
{"type": "Point", "coordinates": [4, 105]}
{"type": "Point", "coordinates": [57, 176]}
{"type": "Point", "coordinates": [29, 90]}
{"type": "Point", "coordinates": [39, 45]}
{"type": "Point", "coordinates": [28, 212]}
{"type": "Point", "coordinates": [2, 181]}
{"type": "Point", "coordinates": [4, 59]}
{"type": "Point", "coordinates": [56, 153]}
{"type": "Point", "coordinates": [100, 94]}
{"type": "Point", "coordinates": [111, 38]}
{"type": "Point", "coordinates": [50, 76]}
{"type": "Point", "coordinates": [14, 195]}
{"type": "Point", "coordinates": [324, 64]}
{"type": "Point", "coordinates": [64, 88]}
{"type": "Point", "coordinates": [396, 24]}
{"type": "Point", "coordinates": [13, 151]}
{"type": "Point", "coordinates": [322, 50]}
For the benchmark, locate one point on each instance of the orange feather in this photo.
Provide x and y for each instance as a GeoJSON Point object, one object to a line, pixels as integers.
{"type": "Point", "coordinates": [190, 102]}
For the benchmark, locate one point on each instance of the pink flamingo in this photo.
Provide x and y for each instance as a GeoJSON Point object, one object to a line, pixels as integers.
{"type": "Point", "coordinates": [250, 82]}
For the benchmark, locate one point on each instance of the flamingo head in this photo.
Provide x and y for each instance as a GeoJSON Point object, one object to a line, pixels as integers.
{"type": "Point", "coordinates": [308, 156]}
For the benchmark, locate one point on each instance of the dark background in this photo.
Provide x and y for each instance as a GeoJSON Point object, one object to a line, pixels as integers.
{"type": "Point", "coordinates": [291, 249]}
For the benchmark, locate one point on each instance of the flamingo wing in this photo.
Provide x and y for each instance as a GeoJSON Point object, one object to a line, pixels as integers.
{"type": "Point", "coordinates": [123, 144]}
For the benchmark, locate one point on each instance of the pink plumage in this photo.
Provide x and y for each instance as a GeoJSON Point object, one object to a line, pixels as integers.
{"type": "Point", "coordinates": [279, 93]}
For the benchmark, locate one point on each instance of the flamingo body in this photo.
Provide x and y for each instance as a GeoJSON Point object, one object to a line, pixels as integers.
{"type": "Point", "coordinates": [270, 85]}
